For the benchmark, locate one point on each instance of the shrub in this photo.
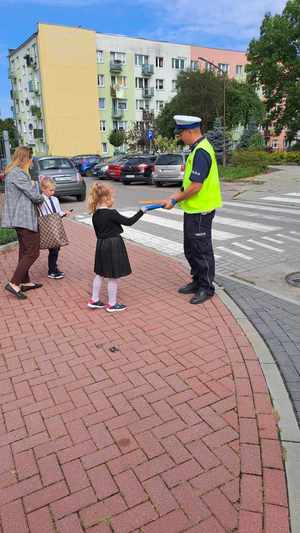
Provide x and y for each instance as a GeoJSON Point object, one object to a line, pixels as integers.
{"type": "Point", "coordinates": [254, 157]}
{"type": "Point", "coordinates": [7, 235]}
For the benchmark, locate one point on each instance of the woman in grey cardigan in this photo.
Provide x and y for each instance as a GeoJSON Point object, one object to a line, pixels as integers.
{"type": "Point", "coordinates": [20, 213]}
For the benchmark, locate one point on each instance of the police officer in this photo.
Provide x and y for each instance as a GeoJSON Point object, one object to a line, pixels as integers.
{"type": "Point", "coordinates": [199, 197]}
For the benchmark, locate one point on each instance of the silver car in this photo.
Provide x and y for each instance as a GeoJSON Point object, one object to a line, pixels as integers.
{"type": "Point", "coordinates": [169, 168]}
{"type": "Point", "coordinates": [62, 170]}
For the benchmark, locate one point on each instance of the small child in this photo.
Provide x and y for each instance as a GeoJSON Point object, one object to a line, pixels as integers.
{"type": "Point", "coordinates": [111, 259]}
{"type": "Point", "coordinates": [51, 205]}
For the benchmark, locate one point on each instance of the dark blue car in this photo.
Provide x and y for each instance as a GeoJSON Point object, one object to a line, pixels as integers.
{"type": "Point", "coordinates": [85, 163]}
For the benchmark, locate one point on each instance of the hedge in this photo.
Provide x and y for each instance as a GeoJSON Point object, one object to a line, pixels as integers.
{"type": "Point", "coordinates": [7, 235]}
{"type": "Point", "coordinates": [261, 158]}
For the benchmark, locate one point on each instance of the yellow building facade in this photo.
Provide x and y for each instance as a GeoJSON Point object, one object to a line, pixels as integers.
{"type": "Point", "coordinates": [68, 71]}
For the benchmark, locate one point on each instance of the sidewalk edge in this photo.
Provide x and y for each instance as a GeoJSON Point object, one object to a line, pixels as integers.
{"type": "Point", "coordinates": [289, 431]}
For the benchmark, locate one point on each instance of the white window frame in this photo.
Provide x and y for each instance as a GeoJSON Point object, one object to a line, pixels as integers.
{"type": "Point", "coordinates": [105, 145]}
{"type": "Point", "coordinates": [141, 59]}
{"type": "Point", "coordinates": [100, 56]}
{"type": "Point", "coordinates": [122, 101]}
{"type": "Point", "coordinates": [159, 105]}
{"type": "Point", "coordinates": [239, 70]}
{"type": "Point", "coordinates": [178, 63]}
{"type": "Point", "coordinates": [103, 125]}
{"type": "Point", "coordinates": [158, 82]}
{"type": "Point", "coordinates": [224, 67]}
{"type": "Point", "coordinates": [158, 60]}
{"type": "Point", "coordinates": [118, 56]}
{"type": "Point", "coordinates": [101, 108]}
{"type": "Point", "coordinates": [102, 77]}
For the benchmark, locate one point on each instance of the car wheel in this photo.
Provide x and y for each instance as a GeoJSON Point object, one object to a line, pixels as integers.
{"type": "Point", "coordinates": [157, 183]}
{"type": "Point", "coordinates": [81, 197]}
{"type": "Point", "coordinates": [126, 182]}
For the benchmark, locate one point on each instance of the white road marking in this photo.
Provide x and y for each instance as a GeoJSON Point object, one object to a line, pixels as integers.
{"type": "Point", "coordinates": [160, 244]}
{"type": "Point", "coordinates": [265, 245]}
{"type": "Point", "coordinates": [295, 232]}
{"type": "Point", "coordinates": [244, 224]}
{"type": "Point", "coordinates": [242, 246]}
{"type": "Point", "coordinates": [282, 199]}
{"type": "Point", "coordinates": [177, 225]}
{"type": "Point", "coordinates": [257, 207]}
{"type": "Point", "coordinates": [288, 238]}
{"type": "Point", "coordinates": [238, 254]}
{"type": "Point", "coordinates": [292, 194]}
{"type": "Point", "coordinates": [273, 240]}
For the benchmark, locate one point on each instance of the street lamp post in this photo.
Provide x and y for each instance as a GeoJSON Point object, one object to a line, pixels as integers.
{"type": "Point", "coordinates": [224, 103]}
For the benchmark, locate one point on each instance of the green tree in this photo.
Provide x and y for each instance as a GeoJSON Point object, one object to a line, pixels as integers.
{"type": "Point", "coordinates": [274, 65]}
{"type": "Point", "coordinates": [202, 94]}
{"type": "Point", "coordinates": [117, 138]}
{"type": "Point", "coordinates": [249, 132]}
{"type": "Point", "coordinates": [216, 137]}
{"type": "Point", "coordinates": [163, 144]}
{"type": "Point", "coordinates": [136, 139]}
{"type": "Point", "coordinates": [9, 125]}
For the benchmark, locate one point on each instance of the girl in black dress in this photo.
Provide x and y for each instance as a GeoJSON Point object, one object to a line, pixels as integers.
{"type": "Point", "coordinates": [111, 259]}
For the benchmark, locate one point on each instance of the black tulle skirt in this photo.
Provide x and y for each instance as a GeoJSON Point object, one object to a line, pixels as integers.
{"type": "Point", "coordinates": [111, 259]}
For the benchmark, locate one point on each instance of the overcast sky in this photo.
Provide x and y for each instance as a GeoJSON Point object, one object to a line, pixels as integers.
{"type": "Point", "coordinates": [220, 23]}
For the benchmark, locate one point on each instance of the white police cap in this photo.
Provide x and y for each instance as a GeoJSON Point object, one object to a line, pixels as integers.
{"type": "Point", "coordinates": [186, 122]}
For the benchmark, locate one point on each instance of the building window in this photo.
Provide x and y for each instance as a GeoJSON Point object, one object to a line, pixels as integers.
{"type": "Point", "coordinates": [100, 78]}
{"type": "Point", "coordinates": [101, 103]}
{"type": "Point", "coordinates": [159, 62]}
{"type": "Point", "coordinates": [209, 67]}
{"type": "Point", "coordinates": [102, 125]}
{"type": "Point", "coordinates": [224, 67]}
{"type": "Point", "coordinates": [238, 69]}
{"type": "Point", "coordinates": [194, 65]}
{"type": "Point", "coordinates": [159, 105]}
{"type": "Point", "coordinates": [140, 104]}
{"type": "Point", "coordinates": [141, 59]}
{"type": "Point", "coordinates": [122, 104]}
{"type": "Point", "coordinates": [120, 57]}
{"type": "Point", "coordinates": [120, 125]}
{"type": "Point", "coordinates": [174, 85]}
{"type": "Point", "coordinates": [178, 63]}
{"type": "Point", "coordinates": [141, 83]}
{"type": "Point", "coordinates": [159, 84]}
{"type": "Point", "coordinates": [104, 148]}
{"type": "Point", "coordinates": [119, 81]}
{"type": "Point", "coordinates": [100, 56]}
{"type": "Point", "coordinates": [274, 144]}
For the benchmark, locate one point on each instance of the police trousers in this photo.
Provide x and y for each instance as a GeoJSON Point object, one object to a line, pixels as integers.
{"type": "Point", "coordinates": [198, 249]}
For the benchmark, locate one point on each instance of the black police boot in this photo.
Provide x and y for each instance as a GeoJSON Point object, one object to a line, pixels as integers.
{"type": "Point", "coordinates": [190, 288]}
{"type": "Point", "coordinates": [200, 297]}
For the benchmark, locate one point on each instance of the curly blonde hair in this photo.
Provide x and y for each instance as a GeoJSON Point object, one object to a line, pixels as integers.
{"type": "Point", "coordinates": [99, 194]}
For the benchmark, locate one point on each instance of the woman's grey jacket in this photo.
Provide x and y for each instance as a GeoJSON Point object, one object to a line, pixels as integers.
{"type": "Point", "coordinates": [20, 197]}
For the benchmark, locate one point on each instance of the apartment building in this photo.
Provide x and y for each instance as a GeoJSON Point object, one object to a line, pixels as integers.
{"type": "Point", "coordinates": [72, 86]}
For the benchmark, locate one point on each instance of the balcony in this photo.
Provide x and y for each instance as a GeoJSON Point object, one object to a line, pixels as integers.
{"type": "Point", "coordinates": [147, 70]}
{"type": "Point", "coordinates": [148, 92]}
{"type": "Point", "coordinates": [38, 134]}
{"type": "Point", "coordinates": [117, 113]}
{"type": "Point", "coordinates": [148, 116]}
{"type": "Point", "coordinates": [36, 111]}
{"type": "Point", "coordinates": [117, 92]}
{"type": "Point", "coordinates": [116, 66]}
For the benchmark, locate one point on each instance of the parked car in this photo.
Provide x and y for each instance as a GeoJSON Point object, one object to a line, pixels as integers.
{"type": "Point", "coordinates": [85, 163]}
{"type": "Point", "coordinates": [138, 169]}
{"type": "Point", "coordinates": [62, 170]}
{"type": "Point", "coordinates": [100, 169]}
{"type": "Point", "coordinates": [169, 168]}
{"type": "Point", "coordinates": [114, 168]}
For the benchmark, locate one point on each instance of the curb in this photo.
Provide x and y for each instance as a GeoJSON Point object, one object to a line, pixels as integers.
{"type": "Point", "coordinates": [4, 247]}
{"type": "Point", "coordinates": [289, 432]}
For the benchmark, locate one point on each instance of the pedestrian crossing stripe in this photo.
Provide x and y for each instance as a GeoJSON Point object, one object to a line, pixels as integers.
{"type": "Point", "coordinates": [282, 199]}
{"type": "Point", "coordinates": [291, 211]}
{"type": "Point", "coordinates": [177, 225]}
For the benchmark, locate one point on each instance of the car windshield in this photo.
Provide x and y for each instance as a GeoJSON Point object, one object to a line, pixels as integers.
{"type": "Point", "coordinates": [53, 163]}
{"type": "Point", "coordinates": [169, 159]}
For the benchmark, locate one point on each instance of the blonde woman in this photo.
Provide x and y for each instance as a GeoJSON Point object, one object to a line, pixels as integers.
{"type": "Point", "coordinates": [20, 213]}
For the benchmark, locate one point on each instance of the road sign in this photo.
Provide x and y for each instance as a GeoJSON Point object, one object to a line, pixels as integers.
{"type": "Point", "coordinates": [150, 135]}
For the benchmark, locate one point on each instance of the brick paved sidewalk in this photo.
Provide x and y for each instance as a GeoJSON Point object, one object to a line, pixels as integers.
{"type": "Point", "coordinates": [155, 420]}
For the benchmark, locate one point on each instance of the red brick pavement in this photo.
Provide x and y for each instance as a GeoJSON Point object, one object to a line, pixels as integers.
{"type": "Point", "coordinates": [155, 420]}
